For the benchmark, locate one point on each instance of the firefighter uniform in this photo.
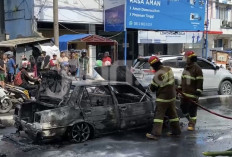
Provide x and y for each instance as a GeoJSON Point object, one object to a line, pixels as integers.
{"type": "Point", "coordinates": [191, 86]}
{"type": "Point", "coordinates": [164, 85]}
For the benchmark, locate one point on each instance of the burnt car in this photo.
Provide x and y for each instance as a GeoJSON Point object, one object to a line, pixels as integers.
{"type": "Point", "coordinates": [82, 109]}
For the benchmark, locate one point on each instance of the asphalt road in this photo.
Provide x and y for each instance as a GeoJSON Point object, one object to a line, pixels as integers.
{"type": "Point", "coordinates": [212, 134]}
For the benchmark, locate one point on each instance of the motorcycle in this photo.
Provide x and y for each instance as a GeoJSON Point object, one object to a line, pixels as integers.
{"type": "Point", "coordinates": [5, 102]}
{"type": "Point", "coordinates": [17, 94]}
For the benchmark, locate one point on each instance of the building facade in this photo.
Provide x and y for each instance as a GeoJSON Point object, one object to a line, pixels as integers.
{"type": "Point", "coordinates": [220, 25]}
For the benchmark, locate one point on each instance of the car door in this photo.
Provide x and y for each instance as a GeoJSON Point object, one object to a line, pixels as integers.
{"type": "Point", "coordinates": [211, 80]}
{"type": "Point", "coordinates": [99, 108]}
{"type": "Point", "coordinates": [133, 113]}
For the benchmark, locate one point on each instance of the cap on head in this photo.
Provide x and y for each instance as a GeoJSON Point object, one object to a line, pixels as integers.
{"type": "Point", "coordinates": [153, 59]}
{"type": "Point", "coordinates": [190, 54]}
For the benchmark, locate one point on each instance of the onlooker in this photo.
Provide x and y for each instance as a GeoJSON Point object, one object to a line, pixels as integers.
{"type": "Point", "coordinates": [2, 72]}
{"type": "Point", "coordinates": [33, 65]}
{"type": "Point", "coordinates": [73, 64]}
{"type": "Point", "coordinates": [99, 60]}
{"type": "Point", "coordinates": [83, 64]}
{"type": "Point", "coordinates": [40, 61]}
{"type": "Point", "coordinates": [25, 62]}
{"type": "Point", "coordinates": [11, 69]}
{"type": "Point", "coordinates": [32, 88]}
{"type": "Point", "coordinates": [106, 61]}
{"type": "Point", "coordinates": [53, 63]}
{"type": "Point", "coordinates": [62, 60]}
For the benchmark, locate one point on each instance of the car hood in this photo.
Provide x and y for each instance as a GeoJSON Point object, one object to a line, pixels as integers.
{"type": "Point", "coordinates": [119, 73]}
{"type": "Point", "coordinates": [53, 85]}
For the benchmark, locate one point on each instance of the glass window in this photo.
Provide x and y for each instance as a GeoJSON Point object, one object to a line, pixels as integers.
{"type": "Point", "coordinates": [171, 63]}
{"type": "Point", "coordinates": [204, 65]}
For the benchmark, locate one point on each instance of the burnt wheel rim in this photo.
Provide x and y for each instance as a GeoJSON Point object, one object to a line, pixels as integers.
{"type": "Point", "coordinates": [5, 105]}
{"type": "Point", "coordinates": [226, 88]}
{"type": "Point", "coordinates": [80, 132]}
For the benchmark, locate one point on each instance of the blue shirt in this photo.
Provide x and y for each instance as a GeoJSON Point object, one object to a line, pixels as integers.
{"type": "Point", "coordinates": [10, 65]}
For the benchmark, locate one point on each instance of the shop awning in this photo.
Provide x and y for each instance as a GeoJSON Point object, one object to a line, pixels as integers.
{"type": "Point", "coordinates": [90, 39]}
{"type": "Point", "coordinates": [21, 41]}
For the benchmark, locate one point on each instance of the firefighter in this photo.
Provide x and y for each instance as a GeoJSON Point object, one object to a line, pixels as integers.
{"type": "Point", "coordinates": [164, 85]}
{"type": "Point", "coordinates": [191, 86]}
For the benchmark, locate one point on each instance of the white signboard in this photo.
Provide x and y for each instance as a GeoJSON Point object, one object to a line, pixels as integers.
{"type": "Point", "coordinates": [169, 37]}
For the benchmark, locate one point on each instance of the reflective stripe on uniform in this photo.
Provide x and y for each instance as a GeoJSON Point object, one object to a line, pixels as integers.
{"type": "Point", "coordinates": [168, 74]}
{"type": "Point", "coordinates": [199, 90]}
{"type": "Point", "coordinates": [158, 121]}
{"type": "Point", "coordinates": [199, 78]}
{"type": "Point", "coordinates": [153, 83]}
{"type": "Point", "coordinates": [193, 118]}
{"type": "Point", "coordinates": [168, 83]}
{"type": "Point", "coordinates": [189, 77]}
{"type": "Point", "coordinates": [189, 95]}
{"type": "Point", "coordinates": [174, 120]}
{"type": "Point", "coordinates": [165, 100]}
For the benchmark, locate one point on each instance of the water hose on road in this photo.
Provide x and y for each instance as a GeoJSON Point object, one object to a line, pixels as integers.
{"type": "Point", "coordinates": [214, 113]}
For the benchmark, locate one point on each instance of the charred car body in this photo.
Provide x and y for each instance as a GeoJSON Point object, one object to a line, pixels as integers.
{"type": "Point", "coordinates": [80, 109]}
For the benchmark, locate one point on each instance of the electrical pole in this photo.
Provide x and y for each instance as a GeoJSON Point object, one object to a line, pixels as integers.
{"type": "Point", "coordinates": [56, 22]}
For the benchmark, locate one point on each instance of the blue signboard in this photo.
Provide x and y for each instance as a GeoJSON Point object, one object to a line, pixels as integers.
{"type": "Point", "coordinates": [114, 15]}
{"type": "Point", "coordinates": [114, 19]}
{"type": "Point", "coordinates": [176, 15]}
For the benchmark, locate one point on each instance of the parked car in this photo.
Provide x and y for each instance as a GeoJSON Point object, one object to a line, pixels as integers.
{"type": "Point", "coordinates": [81, 109]}
{"type": "Point", "coordinates": [215, 78]}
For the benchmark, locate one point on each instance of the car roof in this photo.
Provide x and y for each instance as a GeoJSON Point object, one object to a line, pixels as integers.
{"type": "Point", "coordinates": [161, 56]}
{"type": "Point", "coordinates": [97, 82]}
{"type": "Point", "coordinates": [166, 57]}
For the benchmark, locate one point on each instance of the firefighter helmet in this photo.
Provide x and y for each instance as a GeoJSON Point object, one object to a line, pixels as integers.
{"type": "Point", "coordinates": [190, 54]}
{"type": "Point", "coordinates": [153, 59]}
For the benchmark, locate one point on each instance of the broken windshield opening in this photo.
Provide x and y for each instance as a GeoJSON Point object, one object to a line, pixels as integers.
{"type": "Point", "coordinates": [96, 96]}
{"type": "Point", "coordinates": [126, 94]}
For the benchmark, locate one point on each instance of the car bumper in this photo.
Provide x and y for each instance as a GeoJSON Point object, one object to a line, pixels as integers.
{"type": "Point", "coordinates": [36, 130]}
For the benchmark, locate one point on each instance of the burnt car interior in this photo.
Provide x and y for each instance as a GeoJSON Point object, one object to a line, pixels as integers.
{"type": "Point", "coordinates": [96, 96]}
{"type": "Point", "coordinates": [126, 94]}
{"type": "Point", "coordinates": [53, 92]}
{"type": "Point", "coordinates": [53, 89]}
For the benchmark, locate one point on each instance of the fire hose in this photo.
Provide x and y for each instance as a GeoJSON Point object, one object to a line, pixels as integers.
{"type": "Point", "coordinates": [214, 113]}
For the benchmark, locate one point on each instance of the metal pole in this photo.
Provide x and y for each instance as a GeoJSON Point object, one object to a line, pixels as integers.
{"type": "Point", "coordinates": [56, 22]}
{"type": "Point", "coordinates": [125, 47]}
{"type": "Point", "coordinates": [207, 17]}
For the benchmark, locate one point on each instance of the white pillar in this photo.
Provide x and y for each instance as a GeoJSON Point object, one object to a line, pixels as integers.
{"type": "Point", "coordinates": [92, 51]}
{"type": "Point", "coordinates": [141, 49]}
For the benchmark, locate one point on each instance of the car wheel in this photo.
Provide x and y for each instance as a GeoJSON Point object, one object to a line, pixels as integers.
{"type": "Point", "coordinates": [5, 106]}
{"type": "Point", "coordinates": [225, 88]}
{"type": "Point", "coordinates": [80, 132]}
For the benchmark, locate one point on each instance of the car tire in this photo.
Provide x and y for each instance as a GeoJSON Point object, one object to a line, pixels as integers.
{"type": "Point", "coordinates": [6, 106]}
{"type": "Point", "coordinates": [225, 88]}
{"type": "Point", "coordinates": [80, 132]}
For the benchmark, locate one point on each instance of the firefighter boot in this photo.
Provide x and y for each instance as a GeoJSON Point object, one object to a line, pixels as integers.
{"type": "Point", "coordinates": [153, 137]}
{"type": "Point", "coordinates": [191, 124]}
